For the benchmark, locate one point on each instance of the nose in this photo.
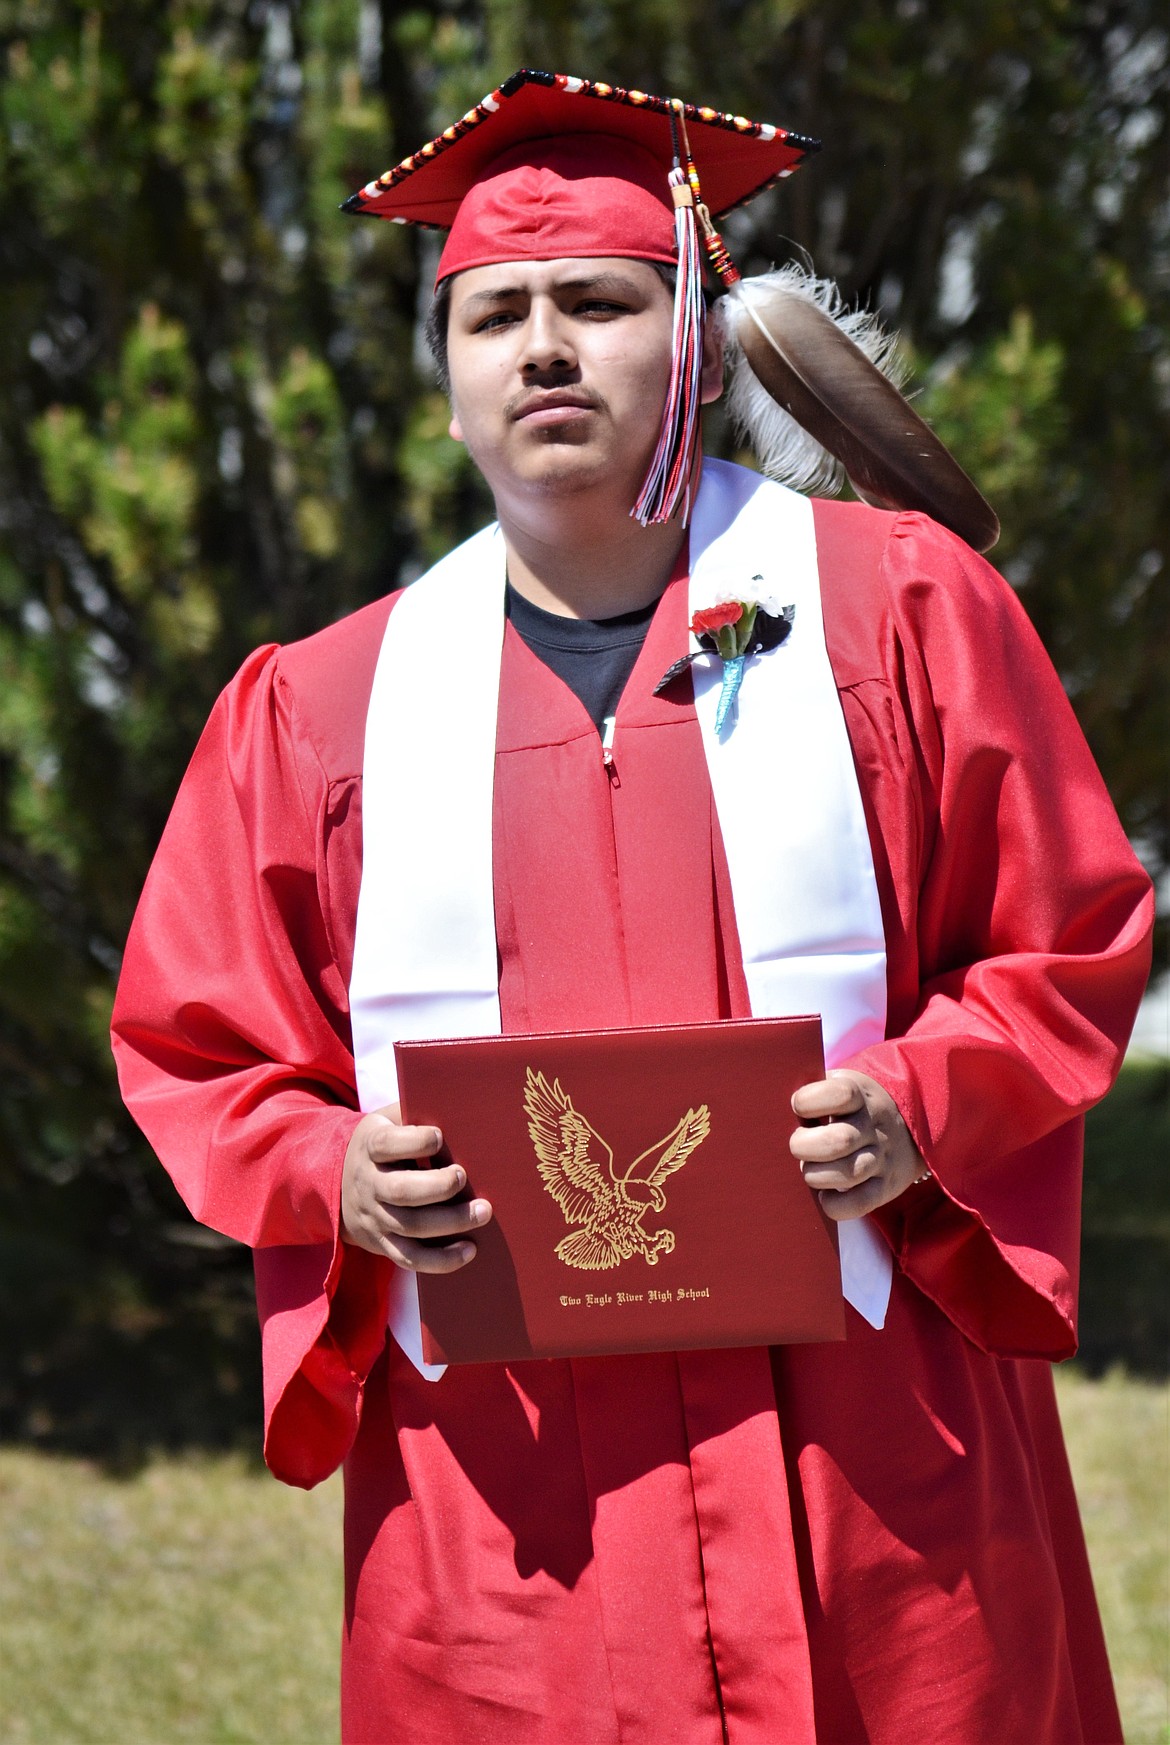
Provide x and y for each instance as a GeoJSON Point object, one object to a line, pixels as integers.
{"type": "Point", "coordinates": [548, 340]}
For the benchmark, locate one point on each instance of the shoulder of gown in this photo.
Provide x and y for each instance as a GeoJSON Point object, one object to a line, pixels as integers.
{"type": "Point", "coordinates": [328, 677]}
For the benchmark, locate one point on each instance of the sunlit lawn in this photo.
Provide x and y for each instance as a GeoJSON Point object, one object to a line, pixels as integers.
{"type": "Point", "coordinates": [197, 1601]}
{"type": "Point", "coordinates": [200, 1601]}
{"type": "Point", "coordinates": [1118, 1434]}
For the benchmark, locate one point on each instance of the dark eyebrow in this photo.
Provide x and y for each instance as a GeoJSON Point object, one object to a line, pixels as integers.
{"type": "Point", "coordinates": [597, 282]}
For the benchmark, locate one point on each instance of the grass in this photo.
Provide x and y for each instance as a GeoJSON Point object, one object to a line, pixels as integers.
{"type": "Point", "coordinates": [197, 1601]}
{"type": "Point", "coordinates": [1118, 1435]}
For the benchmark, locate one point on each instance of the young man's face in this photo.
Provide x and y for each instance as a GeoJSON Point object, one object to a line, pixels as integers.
{"type": "Point", "coordinates": [559, 372]}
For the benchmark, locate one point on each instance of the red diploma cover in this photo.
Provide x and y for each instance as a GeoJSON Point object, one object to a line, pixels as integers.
{"type": "Point", "coordinates": [645, 1198]}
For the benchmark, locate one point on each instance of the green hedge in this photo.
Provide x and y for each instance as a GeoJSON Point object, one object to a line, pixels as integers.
{"type": "Point", "coordinates": [1125, 1250]}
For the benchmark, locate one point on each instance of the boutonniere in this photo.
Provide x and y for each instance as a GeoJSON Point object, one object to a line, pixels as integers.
{"type": "Point", "coordinates": [735, 627]}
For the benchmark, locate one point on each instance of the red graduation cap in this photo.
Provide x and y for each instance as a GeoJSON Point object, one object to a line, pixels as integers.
{"type": "Point", "coordinates": [550, 167]}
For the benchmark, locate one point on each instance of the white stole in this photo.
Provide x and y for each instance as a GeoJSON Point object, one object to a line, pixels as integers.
{"type": "Point", "coordinates": [786, 794]}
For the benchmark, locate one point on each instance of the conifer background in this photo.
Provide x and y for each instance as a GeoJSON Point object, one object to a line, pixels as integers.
{"type": "Point", "coordinates": [217, 429]}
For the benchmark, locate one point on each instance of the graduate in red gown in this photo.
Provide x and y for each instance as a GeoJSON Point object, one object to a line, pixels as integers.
{"type": "Point", "coordinates": [875, 1540]}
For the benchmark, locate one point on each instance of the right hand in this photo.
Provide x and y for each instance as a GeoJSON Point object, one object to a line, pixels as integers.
{"type": "Point", "coordinates": [392, 1210]}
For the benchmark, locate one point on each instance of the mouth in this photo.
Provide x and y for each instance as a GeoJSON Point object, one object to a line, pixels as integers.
{"type": "Point", "coordinates": [557, 406]}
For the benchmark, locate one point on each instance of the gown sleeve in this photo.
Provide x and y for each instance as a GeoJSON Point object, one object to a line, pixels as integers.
{"type": "Point", "coordinates": [1029, 936]}
{"type": "Point", "coordinates": [231, 1038]}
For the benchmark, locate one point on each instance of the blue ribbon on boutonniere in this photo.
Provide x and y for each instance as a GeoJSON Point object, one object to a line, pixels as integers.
{"type": "Point", "coordinates": [734, 628]}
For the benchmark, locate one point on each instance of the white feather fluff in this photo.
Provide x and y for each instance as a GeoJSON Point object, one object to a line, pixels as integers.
{"type": "Point", "coordinates": [785, 449]}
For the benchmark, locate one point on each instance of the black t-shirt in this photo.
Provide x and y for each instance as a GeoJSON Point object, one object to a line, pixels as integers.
{"type": "Point", "coordinates": [594, 656]}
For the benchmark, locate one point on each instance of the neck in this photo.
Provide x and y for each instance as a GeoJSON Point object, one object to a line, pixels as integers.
{"type": "Point", "coordinates": [595, 570]}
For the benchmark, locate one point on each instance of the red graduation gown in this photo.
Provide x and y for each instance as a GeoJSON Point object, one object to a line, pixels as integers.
{"type": "Point", "coordinates": [869, 1541]}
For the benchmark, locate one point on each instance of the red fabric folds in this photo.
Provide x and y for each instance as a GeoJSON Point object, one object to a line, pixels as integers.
{"type": "Point", "coordinates": [583, 197]}
{"type": "Point", "coordinates": [868, 1541]}
{"type": "Point", "coordinates": [231, 1030]}
{"type": "Point", "coordinates": [1013, 963]}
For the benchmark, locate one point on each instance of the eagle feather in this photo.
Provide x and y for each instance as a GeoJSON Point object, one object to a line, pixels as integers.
{"type": "Point", "coordinates": [785, 450]}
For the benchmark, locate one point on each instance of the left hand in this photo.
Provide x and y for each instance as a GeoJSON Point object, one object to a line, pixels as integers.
{"type": "Point", "coordinates": [864, 1155]}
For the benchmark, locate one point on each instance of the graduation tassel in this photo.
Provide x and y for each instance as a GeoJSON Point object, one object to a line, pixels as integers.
{"type": "Point", "coordinates": [673, 474]}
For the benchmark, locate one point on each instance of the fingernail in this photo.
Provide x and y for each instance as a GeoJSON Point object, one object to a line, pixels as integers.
{"type": "Point", "coordinates": [466, 1250]}
{"type": "Point", "coordinates": [460, 1177]}
{"type": "Point", "coordinates": [438, 1138]}
{"type": "Point", "coordinates": [480, 1211]}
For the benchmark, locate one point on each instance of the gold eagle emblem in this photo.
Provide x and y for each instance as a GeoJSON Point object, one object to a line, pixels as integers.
{"type": "Point", "coordinates": [577, 1168]}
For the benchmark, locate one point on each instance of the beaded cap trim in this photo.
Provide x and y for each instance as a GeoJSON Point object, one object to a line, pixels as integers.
{"type": "Point", "coordinates": [493, 102]}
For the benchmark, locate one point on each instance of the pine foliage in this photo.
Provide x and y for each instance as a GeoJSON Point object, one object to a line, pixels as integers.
{"type": "Point", "coordinates": [217, 429]}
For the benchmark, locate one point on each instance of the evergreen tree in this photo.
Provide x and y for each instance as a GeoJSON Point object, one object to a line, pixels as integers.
{"type": "Point", "coordinates": [216, 430]}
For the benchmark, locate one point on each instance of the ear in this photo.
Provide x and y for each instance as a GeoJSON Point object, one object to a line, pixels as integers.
{"type": "Point", "coordinates": [711, 386]}
{"type": "Point", "coordinates": [455, 429]}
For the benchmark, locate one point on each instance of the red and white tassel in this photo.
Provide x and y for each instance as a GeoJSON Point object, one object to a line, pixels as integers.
{"type": "Point", "coordinates": [673, 475]}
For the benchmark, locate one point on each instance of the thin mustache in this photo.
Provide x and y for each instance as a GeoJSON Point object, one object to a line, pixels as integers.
{"type": "Point", "coordinates": [530, 398]}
